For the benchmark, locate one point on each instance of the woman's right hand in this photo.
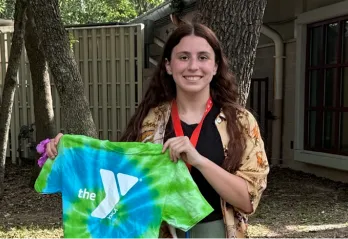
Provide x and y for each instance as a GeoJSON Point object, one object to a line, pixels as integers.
{"type": "Point", "coordinates": [51, 147]}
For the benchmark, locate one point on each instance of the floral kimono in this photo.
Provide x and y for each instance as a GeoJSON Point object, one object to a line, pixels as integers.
{"type": "Point", "coordinates": [254, 166]}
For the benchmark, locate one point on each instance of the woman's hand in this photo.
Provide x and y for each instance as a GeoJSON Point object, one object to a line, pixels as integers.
{"type": "Point", "coordinates": [181, 147]}
{"type": "Point", "coordinates": [51, 147]}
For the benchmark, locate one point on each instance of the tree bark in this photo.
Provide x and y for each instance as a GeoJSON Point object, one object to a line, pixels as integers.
{"type": "Point", "coordinates": [10, 84]}
{"type": "Point", "coordinates": [237, 23]}
{"type": "Point", "coordinates": [55, 45]}
{"type": "Point", "coordinates": [43, 108]}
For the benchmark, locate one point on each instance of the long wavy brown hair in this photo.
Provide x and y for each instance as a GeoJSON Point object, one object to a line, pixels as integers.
{"type": "Point", "coordinates": [223, 90]}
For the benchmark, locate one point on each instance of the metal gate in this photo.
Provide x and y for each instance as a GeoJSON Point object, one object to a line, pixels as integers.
{"type": "Point", "coordinates": [258, 105]}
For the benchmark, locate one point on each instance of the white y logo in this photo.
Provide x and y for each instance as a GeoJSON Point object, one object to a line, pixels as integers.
{"type": "Point", "coordinates": [125, 182]}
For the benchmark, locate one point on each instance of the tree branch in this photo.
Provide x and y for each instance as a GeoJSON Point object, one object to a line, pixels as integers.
{"type": "Point", "coordinates": [10, 84]}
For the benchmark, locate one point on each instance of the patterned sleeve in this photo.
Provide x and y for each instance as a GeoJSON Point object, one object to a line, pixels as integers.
{"type": "Point", "coordinates": [254, 166]}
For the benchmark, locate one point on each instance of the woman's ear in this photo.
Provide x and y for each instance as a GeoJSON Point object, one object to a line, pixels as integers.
{"type": "Point", "coordinates": [215, 68]}
{"type": "Point", "coordinates": [168, 68]}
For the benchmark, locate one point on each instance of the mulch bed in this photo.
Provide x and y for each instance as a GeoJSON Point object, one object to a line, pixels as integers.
{"type": "Point", "coordinates": [295, 204]}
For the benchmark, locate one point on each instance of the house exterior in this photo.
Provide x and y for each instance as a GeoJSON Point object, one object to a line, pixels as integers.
{"type": "Point", "coordinates": [303, 56]}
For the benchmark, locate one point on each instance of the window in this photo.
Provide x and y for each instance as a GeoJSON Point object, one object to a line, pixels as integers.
{"type": "Point", "coordinates": [326, 101]}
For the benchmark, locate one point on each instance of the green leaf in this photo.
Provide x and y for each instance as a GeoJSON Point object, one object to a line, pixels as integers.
{"type": "Point", "coordinates": [99, 11]}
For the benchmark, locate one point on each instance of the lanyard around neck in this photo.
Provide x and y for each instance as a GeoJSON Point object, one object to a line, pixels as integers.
{"type": "Point", "coordinates": [177, 123]}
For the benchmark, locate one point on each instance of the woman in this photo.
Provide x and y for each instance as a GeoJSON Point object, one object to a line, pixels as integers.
{"type": "Point", "coordinates": [191, 106]}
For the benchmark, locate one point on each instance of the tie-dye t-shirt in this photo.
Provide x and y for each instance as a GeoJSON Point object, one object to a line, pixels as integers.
{"type": "Point", "coordinates": [120, 189]}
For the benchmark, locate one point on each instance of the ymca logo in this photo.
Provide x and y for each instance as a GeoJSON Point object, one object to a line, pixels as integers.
{"type": "Point", "coordinates": [112, 186]}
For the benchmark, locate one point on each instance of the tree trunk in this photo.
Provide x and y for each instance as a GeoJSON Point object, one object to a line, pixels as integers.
{"type": "Point", "coordinates": [55, 45]}
{"type": "Point", "coordinates": [237, 23]}
{"type": "Point", "coordinates": [10, 84]}
{"type": "Point", "coordinates": [43, 108]}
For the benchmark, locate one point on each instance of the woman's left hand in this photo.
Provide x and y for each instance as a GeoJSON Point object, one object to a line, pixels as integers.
{"type": "Point", "coordinates": [181, 148]}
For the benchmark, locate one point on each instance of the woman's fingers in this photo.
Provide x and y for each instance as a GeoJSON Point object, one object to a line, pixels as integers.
{"type": "Point", "coordinates": [54, 144]}
{"type": "Point", "coordinates": [167, 143]}
{"type": "Point", "coordinates": [51, 147]}
{"type": "Point", "coordinates": [57, 138]}
{"type": "Point", "coordinates": [176, 148]}
{"type": "Point", "coordinates": [172, 154]}
{"type": "Point", "coordinates": [179, 149]}
{"type": "Point", "coordinates": [49, 150]}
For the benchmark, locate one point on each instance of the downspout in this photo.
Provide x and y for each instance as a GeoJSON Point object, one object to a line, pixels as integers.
{"type": "Point", "coordinates": [277, 129]}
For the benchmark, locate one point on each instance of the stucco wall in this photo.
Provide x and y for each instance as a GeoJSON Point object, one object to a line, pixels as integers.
{"type": "Point", "coordinates": [313, 4]}
{"type": "Point", "coordinates": [280, 16]}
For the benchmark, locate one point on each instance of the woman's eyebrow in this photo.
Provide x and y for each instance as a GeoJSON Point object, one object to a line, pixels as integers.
{"type": "Point", "coordinates": [189, 53]}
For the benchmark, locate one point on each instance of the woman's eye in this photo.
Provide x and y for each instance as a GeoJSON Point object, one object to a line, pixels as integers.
{"type": "Point", "coordinates": [203, 57]}
{"type": "Point", "coordinates": [183, 57]}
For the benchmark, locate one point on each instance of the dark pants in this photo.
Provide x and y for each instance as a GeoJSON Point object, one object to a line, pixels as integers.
{"type": "Point", "coordinates": [214, 229]}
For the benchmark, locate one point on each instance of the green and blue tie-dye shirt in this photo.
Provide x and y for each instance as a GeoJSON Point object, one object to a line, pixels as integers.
{"type": "Point", "coordinates": [120, 189]}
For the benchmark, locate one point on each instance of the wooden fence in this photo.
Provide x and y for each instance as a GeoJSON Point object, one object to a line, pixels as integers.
{"type": "Point", "coordinates": [110, 60]}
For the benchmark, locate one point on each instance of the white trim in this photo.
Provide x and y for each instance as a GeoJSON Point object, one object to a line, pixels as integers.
{"type": "Point", "coordinates": [107, 26]}
{"type": "Point", "coordinates": [267, 45]}
{"type": "Point", "coordinates": [323, 159]}
{"type": "Point", "coordinates": [158, 42]}
{"type": "Point", "coordinates": [323, 13]}
{"type": "Point", "coordinates": [300, 85]}
{"type": "Point", "coordinates": [153, 61]}
{"type": "Point", "coordinates": [316, 15]}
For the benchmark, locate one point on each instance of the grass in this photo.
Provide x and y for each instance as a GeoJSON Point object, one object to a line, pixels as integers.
{"type": "Point", "coordinates": [33, 231]}
{"type": "Point", "coordinates": [296, 204]}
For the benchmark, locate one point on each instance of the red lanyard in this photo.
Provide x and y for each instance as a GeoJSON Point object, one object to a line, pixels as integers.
{"type": "Point", "coordinates": [177, 124]}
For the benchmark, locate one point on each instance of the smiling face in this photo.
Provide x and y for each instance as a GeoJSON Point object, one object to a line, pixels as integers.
{"type": "Point", "coordinates": [192, 65]}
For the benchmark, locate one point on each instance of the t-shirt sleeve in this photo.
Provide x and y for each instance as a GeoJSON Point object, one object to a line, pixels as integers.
{"type": "Point", "coordinates": [184, 204]}
{"type": "Point", "coordinates": [50, 177]}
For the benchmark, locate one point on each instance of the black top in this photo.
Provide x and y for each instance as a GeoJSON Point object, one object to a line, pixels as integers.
{"type": "Point", "coordinates": [210, 146]}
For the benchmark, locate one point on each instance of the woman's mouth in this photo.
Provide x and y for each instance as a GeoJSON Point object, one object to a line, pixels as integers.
{"type": "Point", "coordinates": [192, 78]}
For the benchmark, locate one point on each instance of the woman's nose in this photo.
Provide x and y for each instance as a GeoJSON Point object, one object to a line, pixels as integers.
{"type": "Point", "coordinates": [193, 64]}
